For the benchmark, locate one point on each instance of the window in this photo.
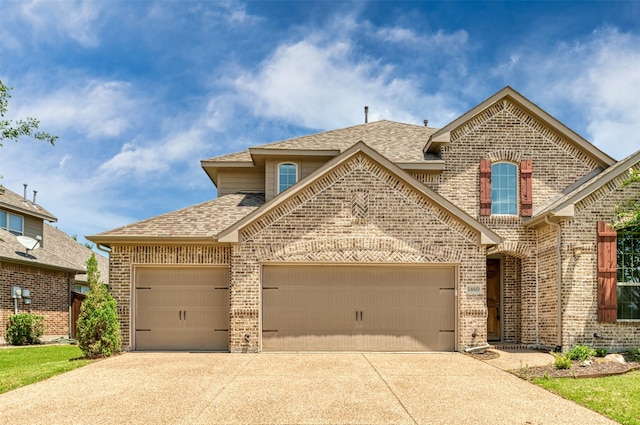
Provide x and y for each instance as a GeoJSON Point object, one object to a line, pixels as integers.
{"type": "Point", "coordinates": [504, 188]}
{"type": "Point", "coordinates": [628, 258]}
{"type": "Point", "coordinates": [287, 176]}
{"type": "Point", "coordinates": [11, 222]}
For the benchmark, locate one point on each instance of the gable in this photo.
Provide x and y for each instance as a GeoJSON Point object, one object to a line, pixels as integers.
{"type": "Point", "coordinates": [351, 188]}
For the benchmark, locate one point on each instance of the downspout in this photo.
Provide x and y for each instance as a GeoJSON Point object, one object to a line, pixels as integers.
{"type": "Point", "coordinates": [103, 249]}
{"type": "Point", "coordinates": [559, 273]}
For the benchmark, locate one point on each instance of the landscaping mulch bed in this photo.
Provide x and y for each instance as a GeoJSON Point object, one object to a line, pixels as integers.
{"type": "Point", "coordinates": [598, 368]}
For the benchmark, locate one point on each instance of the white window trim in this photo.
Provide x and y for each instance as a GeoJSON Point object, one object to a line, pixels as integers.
{"type": "Point", "coordinates": [278, 173]}
{"type": "Point", "coordinates": [517, 165]}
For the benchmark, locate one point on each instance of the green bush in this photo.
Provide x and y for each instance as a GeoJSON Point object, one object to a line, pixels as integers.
{"type": "Point", "coordinates": [636, 354]}
{"type": "Point", "coordinates": [562, 361]}
{"type": "Point", "coordinates": [25, 329]}
{"type": "Point", "coordinates": [98, 325]}
{"type": "Point", "coordinates": [580, 353]}
{"type": "Point", "coordinates": [601, 352]}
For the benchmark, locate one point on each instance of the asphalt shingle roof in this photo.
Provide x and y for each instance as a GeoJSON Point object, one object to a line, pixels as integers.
{"type": "Point", "coordinates": [398, 142]}
{"type": "Point", "coordinates": [12, 201]}
{"type": "Point", "coordinates": [203, 220]}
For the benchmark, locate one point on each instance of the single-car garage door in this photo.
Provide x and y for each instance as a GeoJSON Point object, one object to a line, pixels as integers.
{"type": "Point", "coordinates": [368, 308]}
{"type": "Point", "coordinates": [182, 308]}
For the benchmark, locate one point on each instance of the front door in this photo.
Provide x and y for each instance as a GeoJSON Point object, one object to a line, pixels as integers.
{"type": "Point", "coordinates": [493, 300]}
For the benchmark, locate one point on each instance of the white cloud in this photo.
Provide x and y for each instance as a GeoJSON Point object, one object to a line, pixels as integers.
{"type": "Point", "coordinates": [595, 81]}
{"type": "Point", "coordinates": [326, 86]}
{"type": "Point", "coordinates": [77, 19]}
{"type": "Point", "coordinates": [97, 108]}
{"type": "Point", "coordinates": [155, 158]}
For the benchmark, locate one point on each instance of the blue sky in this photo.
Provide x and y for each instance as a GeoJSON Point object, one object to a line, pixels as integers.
{"type": "Point", "coordinates": [140, 91]}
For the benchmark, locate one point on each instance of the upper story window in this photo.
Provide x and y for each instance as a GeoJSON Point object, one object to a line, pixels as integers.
{"type": "Point", "coordinates": [287, 175]}
{"type": "Point", "coordinates": [12, 222]}
{"type": "Point", "coordinates": [628, 279]}
{"type": "Point", "coordinates": [504, 188]}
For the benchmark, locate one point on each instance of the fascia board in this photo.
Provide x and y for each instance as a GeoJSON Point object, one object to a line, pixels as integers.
{"type": "Point", "coordinates": [436, 165]}
{"type": "Point", "coordinates": [293, 152]}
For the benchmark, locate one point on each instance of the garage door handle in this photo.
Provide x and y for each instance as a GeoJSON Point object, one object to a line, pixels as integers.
{"type": "Point", "coordinates": [185, 315]}
{"type": "Point", "coordinates": [180, 315]}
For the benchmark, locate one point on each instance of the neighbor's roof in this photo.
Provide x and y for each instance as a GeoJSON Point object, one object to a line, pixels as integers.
{"type": "Point", "coordinates": [46, 257]}
{"type": "Point", "coordinates": [12, 201]}
{"type": "Point", "coordinates": [202, 221]}
{"type": "Point", "coordinates": [67, 248]}
{"type": "Point", "coordinates": [568, 200]}
{"type": "Point", "coordinates": [398, 142]}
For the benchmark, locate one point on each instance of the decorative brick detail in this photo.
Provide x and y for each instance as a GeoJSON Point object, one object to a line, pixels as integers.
{"type": "Point", "coordinates": [358, 249]}
{"type": "Point", "coordinates": [512, 248]}
{"type": "Point", "coordinates": [360, 206]}
{"type": "Point", "coordinates": [505, 155]}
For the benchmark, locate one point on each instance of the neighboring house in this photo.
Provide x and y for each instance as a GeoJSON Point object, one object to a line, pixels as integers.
{"type": "Point", "coordinates": [49, 272]}
{"type": "Point", "coordinates": [392, 237]}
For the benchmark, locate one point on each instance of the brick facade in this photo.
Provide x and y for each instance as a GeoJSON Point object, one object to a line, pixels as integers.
{"type": "Point", "coordinates": [361, 212]}
{"type": "Point", "coordinates": [48, 289]}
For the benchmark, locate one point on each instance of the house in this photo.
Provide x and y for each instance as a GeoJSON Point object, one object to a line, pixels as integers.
{"type": "Point", "coordinates": [49, 273]}
{"type": "Point", "coordinates": [392, 237]}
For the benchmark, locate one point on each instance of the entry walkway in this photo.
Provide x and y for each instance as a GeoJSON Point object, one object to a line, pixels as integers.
{"type": "Point", "coordinates": [335, 388]}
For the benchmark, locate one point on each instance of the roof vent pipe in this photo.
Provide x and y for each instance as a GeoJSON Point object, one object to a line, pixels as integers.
{"type": "Point", "coordinates": [25, 191]}
{"type": "Point", "coordinates": [426, 123]}
{"type": "Point", "coordinates": [35, 192]}
{"type": "Point", "coordinates": [366, 114]}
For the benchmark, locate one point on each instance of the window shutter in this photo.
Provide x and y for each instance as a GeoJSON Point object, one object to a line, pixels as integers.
{"type": "Point", "coordinates": [607, 274]}
{"type": "Point", "coordinates": [526, 198]}
{"type": "Point", "coordinates": [485, 187]}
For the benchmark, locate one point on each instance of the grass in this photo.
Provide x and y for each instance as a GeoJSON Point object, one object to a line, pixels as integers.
{"type": "Point", "coordinates": [617, 397]}
{"type": "Point", "coordinates": [26, 365]}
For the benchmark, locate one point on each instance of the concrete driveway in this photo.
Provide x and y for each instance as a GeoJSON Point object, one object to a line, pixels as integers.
{"type": "Point", "coordinates": [208, 388]}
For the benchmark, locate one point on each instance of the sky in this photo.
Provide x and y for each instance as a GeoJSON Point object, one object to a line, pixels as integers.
{"type": "Point", "coordinates": [139, 92]}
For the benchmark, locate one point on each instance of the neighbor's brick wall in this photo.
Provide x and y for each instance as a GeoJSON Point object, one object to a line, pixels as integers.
{"type": "Point", "coordinates": [49, 295]}
{"type": "Point", "coordinates": [123, 258]}
{"type": "Point", "coordinates": [320, 225]}
{"type": "Point", "coordinates": [579, 290]}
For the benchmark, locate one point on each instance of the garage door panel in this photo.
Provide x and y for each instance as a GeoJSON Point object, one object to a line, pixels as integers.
{"type": "Point", "coordinates": [182, 308]}
{"type": "Point", "coordinates": [377, 308]}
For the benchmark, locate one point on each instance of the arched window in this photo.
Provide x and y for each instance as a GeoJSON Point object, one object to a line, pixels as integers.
{"type": "Point", "coordinates": [504, 188]}
{"type": "Point", "coordinates": [287, 175]}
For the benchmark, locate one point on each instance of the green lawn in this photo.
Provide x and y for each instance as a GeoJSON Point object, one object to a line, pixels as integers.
{"type": "Point", "coordinates": [617, 397]}
{"type": "Point", "coordinates": [22, 366]}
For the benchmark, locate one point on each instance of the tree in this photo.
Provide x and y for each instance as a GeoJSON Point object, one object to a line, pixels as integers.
{"type": "Point", "coordinates": [98, 325]}
{"type": "Point", "coordinates": [28, 127]}
{"type": "Point", "coordinates": [628, 213]}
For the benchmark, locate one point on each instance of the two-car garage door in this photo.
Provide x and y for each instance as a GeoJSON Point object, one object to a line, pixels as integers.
{"type": "Point", "coordinates": [369, 308]}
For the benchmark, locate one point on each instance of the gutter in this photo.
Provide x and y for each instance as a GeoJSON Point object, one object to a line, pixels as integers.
{"type": "Point", "coordinates": [559, 275]}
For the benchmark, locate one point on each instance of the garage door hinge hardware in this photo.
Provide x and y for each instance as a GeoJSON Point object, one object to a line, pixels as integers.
{"type": "Point", "coordinates": [143, 287]}
{"type": "Point", "coordinates": [269, 330]}
{"type": "Point", "coordinates": [222, 287]}
{"type": "Point", "coordinates": [143, 330]}
{"type": "Point", "coordinates": [446, 330]}
{"type": "Point", "coordinates": [221, 330]}
{"type": "Point", "coordinates": [447, 289]}
{"type": "Point", "coordinates": [270, 287]}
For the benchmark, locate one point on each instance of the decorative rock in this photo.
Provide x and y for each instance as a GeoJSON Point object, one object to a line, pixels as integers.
{"type": "Point", "coordinates": [586, 363]}
{"type": "Point", "coordinates": [619, 358]}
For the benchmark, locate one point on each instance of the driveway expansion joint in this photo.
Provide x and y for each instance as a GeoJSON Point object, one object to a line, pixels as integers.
{"type": "Point", "coordinates": [390, 389]}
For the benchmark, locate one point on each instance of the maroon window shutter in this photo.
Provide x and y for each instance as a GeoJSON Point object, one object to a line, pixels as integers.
{"type": "Point", "coordinates": [526, 198]}
{"type": "Point", "coordinates": [485, 187]}
{"type": "Point", "coordinates": [607, 274]}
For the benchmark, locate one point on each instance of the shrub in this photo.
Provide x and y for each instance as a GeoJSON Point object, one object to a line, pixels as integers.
{"type": "Point", "coordinates": [25, 329]}
{"type": "Point", "coordinates": [580, 353]}
{"type": "Point", "coordinates": [98, 326]}
{"type": "Point", "coordinates": [562, 361]}
{"type": "Point", "coordinates": [636, 354]}
{"type": "Point", "coordinates": [601, 352]}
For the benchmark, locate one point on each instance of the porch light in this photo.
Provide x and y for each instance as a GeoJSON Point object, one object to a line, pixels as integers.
{"type": "Point", "coordinates": [577, 252]}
